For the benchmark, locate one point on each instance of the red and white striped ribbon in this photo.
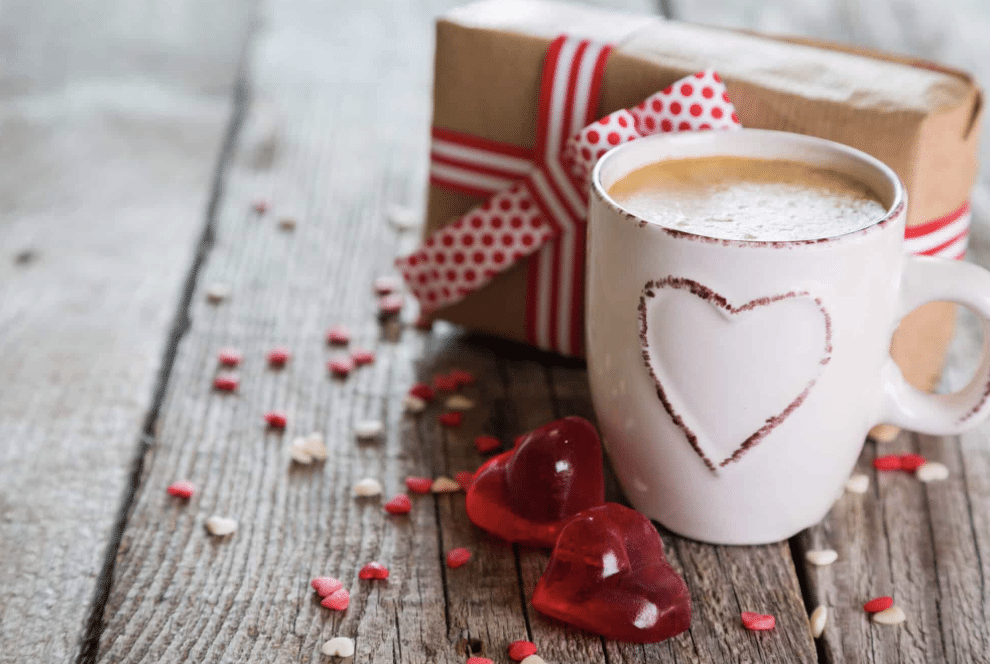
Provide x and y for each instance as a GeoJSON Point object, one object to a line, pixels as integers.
{"type": "Point", "coordinates": [945, 237]}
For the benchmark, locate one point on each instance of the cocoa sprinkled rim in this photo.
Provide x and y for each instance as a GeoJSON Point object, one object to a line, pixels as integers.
{"type": "Point", "coordinates": [894, 210]}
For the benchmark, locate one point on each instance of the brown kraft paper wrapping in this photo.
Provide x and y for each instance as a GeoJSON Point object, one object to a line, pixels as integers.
{"type": "Point", "coordinates": [919, 118]}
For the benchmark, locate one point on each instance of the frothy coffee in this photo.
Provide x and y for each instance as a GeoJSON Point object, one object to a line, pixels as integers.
{"type": "Point", "coordinates": [748, 199]}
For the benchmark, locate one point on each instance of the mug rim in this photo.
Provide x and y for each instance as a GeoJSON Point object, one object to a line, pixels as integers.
{"type": "Point", "coordinates": [893, 211]}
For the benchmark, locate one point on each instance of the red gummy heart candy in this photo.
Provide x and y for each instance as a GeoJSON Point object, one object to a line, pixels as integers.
{"type": "Point", "coordinates": [527, 494]}
{"type": "Point", "coordinates": [608, 575]}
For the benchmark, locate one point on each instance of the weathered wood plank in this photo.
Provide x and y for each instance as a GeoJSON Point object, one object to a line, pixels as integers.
{"type": "Point", "coordinates": [107, 151]}
{"type": "Point", "coordinates": [926, 545]}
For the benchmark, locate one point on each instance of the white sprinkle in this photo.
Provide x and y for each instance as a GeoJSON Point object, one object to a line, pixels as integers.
{"type": "Point", "coordinates": [368, 429]}
{"type": "Point", "coordinates": [932, 471]}
{"type": "Point", "coordinates": [444, 485]}
{"type": "Point", "coordinates": [369, 486]}
{"type": "Point", "coordinates": [647, 616]}
{"type": "Point", "coordinates": [858, 483]}
{"type": "Point", "coordinates": [220, 525]}
{"type": "Point", "coordinates": [414, 404]}
{"type": "Point", "coordinates": [402, 218]}
{"type": "Point", "coordinates": [610, 564]}
{"type": "Point", "coordinates": [217, 293]}
{"type": "Point", "coordinates": [387, 284]}
{"type": "Point", "coordinates": [298, 452]}
{"type": "Point", "coordinates": [822, 557]}
{"type": "Point", "coordinates": [891, 616]}
{"type": "Point", "coordinates": [533, 659]}
{"type": "Point", "coordinates": [459, 402]}
{"type": "Point", "coordinates": [314, 446]}
{"type": "Point", "coordinates": [287, 223]}
{"type": "Point", "coordinates": [339, 646]}
{"type": "Point", "coordinates": [817, 620]}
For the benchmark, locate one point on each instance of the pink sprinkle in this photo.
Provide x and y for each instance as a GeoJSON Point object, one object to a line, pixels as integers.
{"type": "Point", "coordinates": [419, 484]}
{"type": "Point", "coordinates": [373, 570]}
{"type": "Point", "coordinates": [181, 489]}
{"type": "Point", "coordinates": [444, 383]}
{"type": "Point", "coordinates": [878, 604]}
{"type": "Point", "coordinates": [758, 622]}
{"type": "Point", "coordinates": [387, 284]}
{"type": "Point", "coordinates": [390, 304]}
{"type": "Point", "coordinates": [276, 419]}
{"type": "Point", "coordinates": [485, 444]}
{"type": "Point", "coordinates": [338, 600]}
{"type": "Point", "coordinates": [520, 650]}
{"type": "Point", "coordinates": [889, 462]}
{"type": "Point", "coordinates": [458, 557]}
{"type": "Point", "coordinates": [911, 462]}
{"type": "Point", "coordinates": [362, 356]}
{"type": "Point", "coordinates": [226, 383]}
{"type": "Point", "coordinates": [422, 391]}
{"type": "Point", "coordinates": [462, 377]}
{"type": "Point", "coordinates": [260, 205]}
{"type": "Point", "coordinates": [480, 660]}
{"type": "Point", "coordinates": [464, 478]}
{"type": "Point", "coordinates": [229, 357]}
{"type": "Point", "coordinates": [325, 585]}
{"type": "Point", "coordinates": [278, 356]}
{"type": "Point", "coordinates": [338, 335]}
{"type": "Point", "coordinates": [451, 419]}
{"type": "Point", "coordinates": [399, 505]}
{"type": "Point", "coordinates": [341, 366]}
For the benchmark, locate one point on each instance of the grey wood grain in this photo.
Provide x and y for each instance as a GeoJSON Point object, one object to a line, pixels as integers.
{"type": "Point", "coordinates": [111, 118]}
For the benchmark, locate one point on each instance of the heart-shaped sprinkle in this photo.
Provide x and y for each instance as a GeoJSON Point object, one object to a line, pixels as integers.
{"type": "Point", "coordinates": [444, 383]}
{"type": "Point", "coordinates": [362, 356]}
{"type": "Point", "coordinates": [608, 575]}
{"type": "Point", "coordinates": [220, 525]}
{"type": "Point", "coordinates": [287, 224]}
{"type": "Point", "coordinates": [325, 585]}
{"type": "Point", "coordinates": [339, 646]}
{"type": "Point", "coordinates": [462, 377]}
{"type": "Point", "coordinates": [533, 659]}
{"type": "Point", "coordinates": [479, 660]}
{"type": "Point", "coordinates": [452, 419]}
{"type": "Point", "coordinates": [889, 462]}
{"type": "Point", "coordinates": [520, 650]}
{"type": "Point", "coordinates": [422, 391]}
{"type": "Point", "coordinates": [878, 604]}
{"type": "Point", "coordinates": [817, 621]}
{"type": "Point", "coordinates": [341, 366]}
{"type": "Point", "coordinates": [229, 357]}
{"type": "Point", "coordinates": [932, 471]}
{"type": "Point", "coordinates": [399, 505]}
{"type": "Point", "coordinates": [389, 305]}
{"type": "Point", "coordinates": [298, 452]}
{"type": "Point", "coordinates": [227, 383]}
{"type": "Point", "coordinates": [527, 494]}
{"type": "Point", "coordinates": [338, 600]}
{"type": "Point", "coordinates": [458, 402]}
{"type": "Point", "coordinates": [278, 356]}
{"type": "Point", "coordinates": [181, 489]}
{"type": "Point", "coordinates": [413, 404]}
{"type": "Point", "coordinates": [821, 557]}
{"type": "Point", "coordinates": [403, 218]}
{"type": "Point", "coordinates": [276, 419]}
{"type": "Point", "coordinates": [366, 429]}
{"type": "Point", "coordinates": [419, 484]}
{"type": "Point", "coordinates": [338, 335]}
{"type": "Point", "coordinates": [858, 483]}
{"type": "Point", "coordinates": [912, 462]}
{"type": "Point", "coordinates": [217, 293]}
{"type": "Point", "coordinates": [458, 557]}
{"type": "Point", "coordinates": [367, 487]}
{"type": "Point", "coordinates": [486, 444]}
{"type": "Point", "coordinates": [890, 616]}
{"type": "Point", "coordinates": [758, 622]}
{"type": "Point", "coordinates": [314, 446]}
{"type": "Point", "coordinates": [373, 570]}
{"type": "Point", "coordinates": [444, 484]}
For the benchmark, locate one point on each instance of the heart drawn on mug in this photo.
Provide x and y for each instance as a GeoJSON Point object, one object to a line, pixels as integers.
{"type": "Point", "coordinates": [729, 375]}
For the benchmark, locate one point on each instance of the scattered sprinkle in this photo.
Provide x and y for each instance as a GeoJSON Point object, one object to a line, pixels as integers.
{"type": "Point", "coordinates": [402, 218]}
{"type": "Point", "coordinates": [229, 357]}
{"type": "Point", "coordinates": [338, 335]}
{"type": "Point", "coordinates": [534, 659]}
{"type": "Point", "coordinates": [217, 293]}
{"type": "Point", "coordinates": [444, 484]}
{"type": "Point", "coordinates": [276, 419]}
{"type": "Point", "coordinates": [858, 483]}
{"type": "Point", "coordinates": [520, 650]}
{"type": "Point", "coordinates": [413, 404]}
{"type": "Point", "coordinates": [912, 462]}
{"type": "Point", "coordinates": [458, 557]}
{"type": "Point", "coordinates": [932, 471]}
{"type": "Point", "coordinates": [399, 505]}
{"type": "Point", "coordinates": [485, 444]}
{"type": "Point", "coordinates": [889, 462]}
{"type": "Point", "coordinates": [387, 284]}
{"type": "Point", "coordinates": [260, 205]}
{"type": "Point", "coordinates": [339, 646]}
{"type": "Point", "coordinates": [368, 429]}
{"type": "Point", "coordinates": [227, 383]}
{"type": "Point", "coordinates": [325, 585]}
{"type": "Point", "coordinates": [220, 525]}
{"type": "Point", "coordinates": [421, 391]}
{"type": "Point", "coordinates": [390, 304]}
{"type": "Point", "coordinates": [817, 621]}
{"type": "Point", "coordinates": [337, 600]}
{"type": "Point", "coordinates": [419, 484]}
{"type": "Point", "coordinates": [464, 479]}
{"type": "Point", "coordinates": [459, 402]}
{"type": "Point", "coordinates": [821, 557]}
{"type": "Point", "coordinates": [373, 570]}
{"type": "Point", "coordinates": [341, 366]}
{"type": "Point", "coordinates": [362, 356]}
{"type": "Point", "coordinates": [369, 486]}
{"type": "Point", "coordinates": [878, 604]}
{"type": "Point", "coordinates": [479, 660]}
{"type": "Point", "coordinates": [452, 419]}
{"type": "Point", "coordinates": [758, 622]}
{"type": "Point", "coordinates": [299, 453]}
{"type": "Point", "coordinates": [181, 489]}
{"type": "Point", "coordinates": [462, 377]}
{"type": "Point", "coordinates": [314, 446]}
{"type": "Point", "coordinates": [444, 383]}
{"type": "Point", "coordinates": [287, 223]}
{"type": "Point", "coordinates": [278, 356]}
{"type": "Point", "coordinates": [892, 616]}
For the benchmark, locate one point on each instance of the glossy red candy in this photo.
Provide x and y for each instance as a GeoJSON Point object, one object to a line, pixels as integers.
{"type": "Point", "coordinates": [608, 575]}
{"type": "Point", "coordinates": [527, 494]}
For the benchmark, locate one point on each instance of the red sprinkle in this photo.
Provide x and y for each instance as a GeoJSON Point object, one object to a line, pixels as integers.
{"type": "Point", "coordinates": [462, 377]}
{"type": "Point", "coordinates": [325, 585]}
{"type": "Point", "coordinates": [421, 391]}
{"type": "Point", "coordinates": [276, 418]}
{"type": "Point", "coordinates": [229, 357]}
{"type": "Point", "coordinates": [362, 356]}
{"type": "Point", "coordinates": [520, 650]}
{"type": "Point", "coordinates": [445, 383]}
{"type": "Point", "coordinates": [399, 505]}
{"type": "Point", "coordinates": [181, 489]}
{"type": "Point", "coordinates": [260, 205]}
{"type": "Point", "coordinates": [390, 304]}
{"type": "Point", "coordinates": [337, 600]}
{"type": "Point", "coordinates": [480, 660]}
{"type": "Point", "coordinates": [338, 334]}
{"type": "Point", "coordinates": [758, 622]}
{"type": "Point", "coordinates": [373, 570]}
{"type": "Point", "coordinates": [341, 366]}
{"type": "Point", "coordinates": [226, 383]}
{"type": "Point", "coordinates": [452, 419]}
{"type": "Point", "coordinates": [889, 462]}
{"type": "Point", "coordinates": [278, 356]}
{"type": "Point", "coordinates": [485, 444]}
{"type": "Point", "coordinates": [911, 462]}
{"type": "Point", "coordinates": [878, 604]}
{"type": "Point", "coordinates": [458, 557]}
{"type": "Point", "coordinates": [419, 484]}
{"type": "Point", "coordinates": [464, 478]}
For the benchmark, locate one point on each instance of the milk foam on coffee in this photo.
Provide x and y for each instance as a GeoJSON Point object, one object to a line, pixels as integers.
{"type": "Point", "coordinates": [748, 199]}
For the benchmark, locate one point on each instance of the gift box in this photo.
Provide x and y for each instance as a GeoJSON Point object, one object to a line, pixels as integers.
{"type": "Point", "coordinates": [506, 85]}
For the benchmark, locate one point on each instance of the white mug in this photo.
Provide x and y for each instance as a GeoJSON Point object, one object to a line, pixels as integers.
{"type": "Point", "coordinates": [735, 381]}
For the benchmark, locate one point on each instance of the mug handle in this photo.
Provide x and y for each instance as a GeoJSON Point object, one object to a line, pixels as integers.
{"type": "Point", "coordinates": [938, 279]}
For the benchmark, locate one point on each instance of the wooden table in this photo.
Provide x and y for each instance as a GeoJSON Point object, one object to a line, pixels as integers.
{"type": "Point", "coordinates": [133, 138]}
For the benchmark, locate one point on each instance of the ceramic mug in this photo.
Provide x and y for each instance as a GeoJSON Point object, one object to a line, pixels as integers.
{"type": "Point", "coordinates": [735, 381]}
